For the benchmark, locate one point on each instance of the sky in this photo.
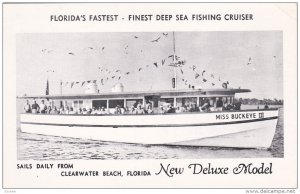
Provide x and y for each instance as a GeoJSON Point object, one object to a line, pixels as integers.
{"type": "Point", "coordinates": [247, 59]}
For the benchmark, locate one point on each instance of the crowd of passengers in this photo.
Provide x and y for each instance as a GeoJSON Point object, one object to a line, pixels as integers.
{"type": "Point", "coordinates": [138, 108]}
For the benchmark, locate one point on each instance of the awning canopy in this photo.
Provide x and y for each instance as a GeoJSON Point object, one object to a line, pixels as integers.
{"type": "Point", "coordinates": [136, 94]}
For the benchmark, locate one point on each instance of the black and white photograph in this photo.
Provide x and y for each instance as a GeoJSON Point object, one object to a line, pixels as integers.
{"type": "Point", "coordinates": [150, 95]}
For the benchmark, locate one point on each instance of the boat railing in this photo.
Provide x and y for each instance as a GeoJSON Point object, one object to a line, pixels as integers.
{"type": "Point", "coordinates": [146, 114]}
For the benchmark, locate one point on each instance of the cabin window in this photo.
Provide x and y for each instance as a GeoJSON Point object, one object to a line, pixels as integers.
{"type": "Point", "coordinates": [186, 101]}
{"type": "Point", "coordinates": [114, 103]}
{"type": "Point", "coordinates": [153, 100]}
{"type": "Point", "coordinates": [78, 104]}
{"type": "Point", "coordinates": [164, 101]}
{"type": "Point", "coordinates": [67, 103]}
{"type": "Point", "coordinates": [99, 103]}
{"type": "Point", "coordinates": [133, 102]}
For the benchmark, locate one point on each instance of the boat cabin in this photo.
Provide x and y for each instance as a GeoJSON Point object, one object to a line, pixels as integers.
{"type": "Point", "coordinates": [157, 99]}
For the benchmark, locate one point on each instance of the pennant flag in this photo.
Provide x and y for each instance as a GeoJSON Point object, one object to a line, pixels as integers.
{"type": "Point", "coordinates": [194, 67]}
{"type": "Point", "coordinates": [224, 85]}
{"type": "Point", "coordinates": [181, 63]}
{"type": "Point", "coordinates": [204, 80]}
{"type": "Point", "coordinates": [203, 72]}
{"type": "Point", "coordinates": [197, 75]}
{"type": "Point", "coordinates": [94, 81]}
{"type": "Point", "coordinates": [77, 82]}
{"type": "Point", "coordinates": [88, 81]}
{"type": "Point", "coordinates": [72, 84]}
{"type": "Point", "coordinates": [82, 83]}
{"type": "Point", "coordinates": [181, 71]}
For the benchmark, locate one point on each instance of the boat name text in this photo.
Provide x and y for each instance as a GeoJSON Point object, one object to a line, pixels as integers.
{"type": "Point", "coordinates": [239, 116]}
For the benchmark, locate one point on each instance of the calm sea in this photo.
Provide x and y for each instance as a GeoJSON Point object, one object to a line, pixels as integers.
{"type": "Point", "coordinates": [41, 147]}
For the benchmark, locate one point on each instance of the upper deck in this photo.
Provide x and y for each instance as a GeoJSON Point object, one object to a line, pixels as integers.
{"type": "Point", "coordinates": [141, 94]}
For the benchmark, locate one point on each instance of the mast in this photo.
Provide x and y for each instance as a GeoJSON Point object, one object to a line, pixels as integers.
{"type": "Point", "coordinates": [174, 62]}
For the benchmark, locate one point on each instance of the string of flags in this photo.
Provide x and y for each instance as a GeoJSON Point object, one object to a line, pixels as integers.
{"type": "Point", "coordinates": [174, 61]}
{"type": "Point", "coordinates": [200, 78]}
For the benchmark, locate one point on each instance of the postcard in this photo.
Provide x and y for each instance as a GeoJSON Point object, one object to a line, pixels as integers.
{"type": "Point", "coordinates": [150, 95]}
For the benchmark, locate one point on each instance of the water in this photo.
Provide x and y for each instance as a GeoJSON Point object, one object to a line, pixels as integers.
{"type": "Point", "coordinates": [41, 147]}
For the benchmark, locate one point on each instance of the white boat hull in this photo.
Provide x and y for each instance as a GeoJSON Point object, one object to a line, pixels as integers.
{"type": "Point", "coordinates": [199, 129]}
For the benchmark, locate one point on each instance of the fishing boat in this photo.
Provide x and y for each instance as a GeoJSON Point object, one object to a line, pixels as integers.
{"type": "Point", "coordinates": [215, 126]}
{"type": "Point", "coordinates": [233, 128]}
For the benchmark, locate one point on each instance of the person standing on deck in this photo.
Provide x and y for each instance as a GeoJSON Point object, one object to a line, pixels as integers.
{"type": "Point", "coordinates": [102, 111]}
{"type": "Point", "coordinates": [71, 112]}
{"type": "Point", "coordinates": [49, 109]}
{"type": "Point", "coordinates": [162, 110]}
{"type": "Point", "coordinates": [205, 106]}
{"type": "Point", "coordinates": [140, 110]}
{"type": "Point", "coordinates": [266, 106]}
{"type": "Point", "coordinates": [54, 111]}
{"type": "Point", "coordinates": [237, 105]}
{"type": "Point", "coordinates": [34, 107]}
{"type": "Point", "coordinates": [84, 111]}
{"type": "Point", "coordinates": [132, 110]}
{"type": "Point", "coordinates": [62, 110]}
{"type": "Point", "coordinates": [27, 107]}
{"type": "Point", "coordinates": [43, 107]}
{"type": "Point", "coordinates": [94, 111]}
{"type": "Point", "coordinates": [149, 108]}
{"type": "Point", "coordinates": [170, 108]}
{"type": "Point", "coordinates": [117, 110]}
{"type": "Point", "coordinates": [98, 111]}
{"type": "Point", "coordinates": [178, 109]}
{"type": "Point", "coordinates": [219, 104]}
